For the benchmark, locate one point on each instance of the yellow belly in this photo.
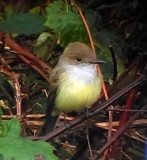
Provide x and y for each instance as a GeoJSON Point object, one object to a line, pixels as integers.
{"type": "Point", "coordinates": [75, 95]}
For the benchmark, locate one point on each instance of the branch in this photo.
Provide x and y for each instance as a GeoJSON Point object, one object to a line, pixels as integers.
{"type": "Point", "coordinates": [34, 62]}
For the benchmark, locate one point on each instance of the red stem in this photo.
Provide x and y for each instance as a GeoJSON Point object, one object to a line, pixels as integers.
{"type": "Point", "coordinates": [28, 57]}
{"type": "Point", "coordinates": [116, 148]}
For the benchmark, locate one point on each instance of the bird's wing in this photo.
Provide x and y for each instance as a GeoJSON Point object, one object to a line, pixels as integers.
{"type": "Point", "coordinates": [50, 104]}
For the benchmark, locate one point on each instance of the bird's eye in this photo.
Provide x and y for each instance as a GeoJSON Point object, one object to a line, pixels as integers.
{"type": "Point", "coordinates": [78, 59]}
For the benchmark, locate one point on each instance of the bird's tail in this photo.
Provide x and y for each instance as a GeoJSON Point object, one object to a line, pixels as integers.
{"type": "Point", "coordinates": [49, 125]}
{"type": "Point", "coordinates": [50, 120]}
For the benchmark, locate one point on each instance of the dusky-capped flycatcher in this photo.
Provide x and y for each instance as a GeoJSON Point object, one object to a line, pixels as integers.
{"type": "Point", "coordinates": [75, 83]}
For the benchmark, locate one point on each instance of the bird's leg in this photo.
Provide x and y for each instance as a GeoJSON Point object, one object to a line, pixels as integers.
{"type": "Point", "coordinates": [66, 123]}
{"type": "Point", "coordinates": [87, 112]}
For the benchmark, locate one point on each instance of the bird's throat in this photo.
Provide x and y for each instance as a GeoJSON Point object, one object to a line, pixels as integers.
{"type": "Point", "coordinates": [84, 73]}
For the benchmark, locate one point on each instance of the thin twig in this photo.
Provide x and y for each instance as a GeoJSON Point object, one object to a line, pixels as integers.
{"type": "Point", "coordinates": [88, 141]}
{"type": "Point", "coordinates": [120, 131]}
{"type": "Point", "coordinates": [18, 95]}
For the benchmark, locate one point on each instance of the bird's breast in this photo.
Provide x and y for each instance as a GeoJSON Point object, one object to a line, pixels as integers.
{"type": "Point", "coordinates": [79, 87]}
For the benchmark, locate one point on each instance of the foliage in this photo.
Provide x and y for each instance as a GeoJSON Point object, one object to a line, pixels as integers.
{"type": "Point", "coordinates": [41, 48]}
{"type": "Point", "coordinates": [23, 23]}
{"type": "Point", "coordinates": [0, 121]}
{"type": "Point", "coordinates": [13, 146]}
{"type": "Point", "coordinates": [32, 85]}
{"type": "Point", "coordinates": [103, 40]}
{"type": "Point", "coordinates": [7, 91]}
{"type": "Point", "coordinates": [137, 151]}
{"type": "Point", "coordinates": [65, 21]}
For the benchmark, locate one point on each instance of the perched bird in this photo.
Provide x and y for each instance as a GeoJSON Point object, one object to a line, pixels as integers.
{"type": "Point", "coordinates": [75, 83]}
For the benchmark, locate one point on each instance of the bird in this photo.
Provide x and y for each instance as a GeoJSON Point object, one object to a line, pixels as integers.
{"type": "Point", "coordinates": [75, 83]}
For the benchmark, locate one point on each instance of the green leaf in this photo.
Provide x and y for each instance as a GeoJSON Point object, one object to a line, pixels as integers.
{"type": "Point", "coordinates": [23, 23]}
{"type": "Point", "coordinates": [43, 38]}
{"type": "Point", "coordinates": [0, 115]}
{"type": "Point", "coordinates": [103, 39]}
{"type": "Point", "coordinates": [67, 23]}
{"type": "Point", "coordinates": [137, 153]}
{"type": "Point", "coordinates": [8, 10]}
{"type": "Point", "coordinates": [1, 128]}
{"type": "Point", "coordinates": [13, 146]}
{"type": "Point", "coordinates": [12, 128]}
{"type": "Point", "coordinates": [42, 46]}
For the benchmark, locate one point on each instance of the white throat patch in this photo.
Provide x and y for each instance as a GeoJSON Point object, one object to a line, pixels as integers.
{"type": "Point", "coordinates": [82, 72]}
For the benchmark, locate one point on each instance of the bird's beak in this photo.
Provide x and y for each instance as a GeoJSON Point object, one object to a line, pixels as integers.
{"type": "Point", "coordinates": [95, 61]}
